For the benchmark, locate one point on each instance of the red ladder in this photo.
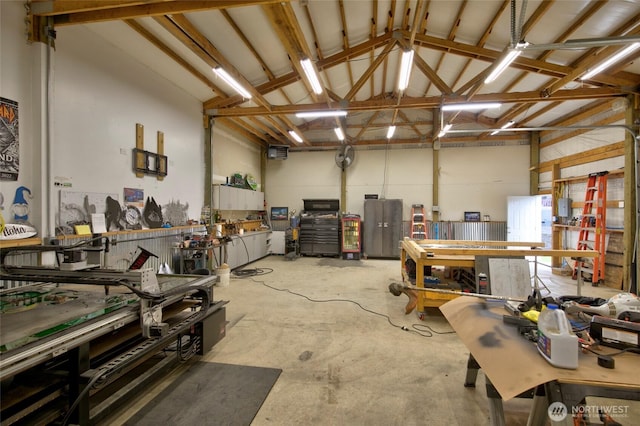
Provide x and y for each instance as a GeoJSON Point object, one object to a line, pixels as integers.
{"type": "Point", "coordinates": [593, 226]}
{"type": "Point", "coordinates": [418, 222]}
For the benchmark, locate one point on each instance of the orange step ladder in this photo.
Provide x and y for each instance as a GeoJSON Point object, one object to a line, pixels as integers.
{"type": "Point", "coordinates": [593, 223]}
{"type": "Point", "coordinates": [418, 222]}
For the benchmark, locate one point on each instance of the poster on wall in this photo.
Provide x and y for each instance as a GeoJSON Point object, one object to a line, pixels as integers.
{"type": "Point", "coordinates": [9, 148]}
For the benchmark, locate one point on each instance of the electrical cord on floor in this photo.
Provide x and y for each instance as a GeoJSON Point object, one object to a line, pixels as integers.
{"type": "Point", "coordinates": [252, 272]}
{"type": "Point", "coordinates": [419, 329]}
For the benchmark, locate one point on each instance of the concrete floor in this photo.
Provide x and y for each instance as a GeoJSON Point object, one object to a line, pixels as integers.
{"type": "Point", "coordinates": [333, 328]}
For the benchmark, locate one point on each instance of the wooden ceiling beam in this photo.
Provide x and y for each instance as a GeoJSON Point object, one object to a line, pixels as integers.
{"type": "Point", "coordinates": [482, 41]}
{"type": "Point", "coordinates": [432, 75]}
{"type": "Point", "coordinates": [292, 77]}
{"type": "Point", "coordinates": [429, 102]}
{"type": "Point", "coordinates": [198, 39]}
{"type": "Point", "coordinates": [370, 70]}
{"type": "Point", "coordinates": [240, 128]}
{"type": "Point", "coordinates": [523, 63]}
{"type": "Point", "coordinates": [451, 36]}
{"type": "Point", "coordinates": [173, 55]}
{"type": "Point", "coordinates": [98, 14]}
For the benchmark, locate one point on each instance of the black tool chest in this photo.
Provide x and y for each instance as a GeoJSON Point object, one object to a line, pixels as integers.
{"type": "Point", "coordinates": [320, 228]}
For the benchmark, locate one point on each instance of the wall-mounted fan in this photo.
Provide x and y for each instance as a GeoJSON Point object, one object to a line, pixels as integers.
{"type": "Point", "coordinates": [345, 156]}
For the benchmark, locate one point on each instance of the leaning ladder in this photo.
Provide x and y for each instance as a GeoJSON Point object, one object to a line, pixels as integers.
{"type": "Point", "coordinates": [593, 223]}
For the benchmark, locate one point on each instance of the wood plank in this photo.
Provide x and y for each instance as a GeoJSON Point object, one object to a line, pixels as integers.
{"type": "Point", "coordinates": [615, 244]}
{"type": "Point", "coordinates": [21, 243]}
{"type": "Point", "coordinates": [160, 151]}
{"type": "Point", "coordinates": [140, 159]}
{"type": "Point", "coordinates": [511, 252]}
{"type": "Point", "coordinates": [615, 259]}
{"type": "Point", "coordinates": [477, 243]}
{"type": "Point", "coordinates": [418, 252]}
{"type": "Point", "coordinates": [613, 276]}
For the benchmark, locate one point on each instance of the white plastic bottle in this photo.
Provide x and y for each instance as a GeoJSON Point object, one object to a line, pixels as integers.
{"type": "Point", "coordinates": [556, 341]}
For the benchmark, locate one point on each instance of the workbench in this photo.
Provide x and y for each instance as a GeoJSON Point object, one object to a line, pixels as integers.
{"type": "Point", "coordinates": [513, 367]}
{"type": "Point", "coordinates": [462, 254]}
{"type": "Point", "coordinates": [65, 339]}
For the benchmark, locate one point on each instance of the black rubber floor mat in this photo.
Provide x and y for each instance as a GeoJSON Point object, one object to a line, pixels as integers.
{"type": "Point", "coordinates": [210, 394]}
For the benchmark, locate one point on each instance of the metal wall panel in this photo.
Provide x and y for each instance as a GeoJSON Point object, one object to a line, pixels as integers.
{"type": "Point", "coordinates": [476, 231]}
{"type": "Point", "coordinates": [123, 250]}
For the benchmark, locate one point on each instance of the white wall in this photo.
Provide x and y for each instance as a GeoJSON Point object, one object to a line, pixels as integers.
{"type": "Point", "coordinates": [19, 67]}
{"type": "Point", "coordinates": [471, 179]}
{"type": "Point", "coordinates": [232, 155]}
{"type": "Point", "coordinates": [99, 96]}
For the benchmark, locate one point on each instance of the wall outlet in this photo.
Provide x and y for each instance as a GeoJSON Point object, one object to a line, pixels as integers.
{"type": "Point", "coordinates": [123, 151]}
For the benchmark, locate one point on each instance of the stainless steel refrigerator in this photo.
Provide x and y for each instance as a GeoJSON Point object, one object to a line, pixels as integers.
{"type": "Point", "coordinates": [382, 227]}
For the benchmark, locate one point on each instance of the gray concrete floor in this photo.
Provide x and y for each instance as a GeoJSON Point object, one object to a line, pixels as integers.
{"type": "Point", "coordinates": [333, 328]}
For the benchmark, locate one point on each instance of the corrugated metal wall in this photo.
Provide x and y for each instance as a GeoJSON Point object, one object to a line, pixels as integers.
{"type": "Point", "coordinates": [476, 231]}
{"type": "Point", "coordinates": [123, 250]}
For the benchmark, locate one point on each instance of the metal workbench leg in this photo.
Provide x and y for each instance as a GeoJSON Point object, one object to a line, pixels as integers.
{"type": "Point", "coordinates": [78, 364]}
{"type": "Point", "coordinates": [538, 415]}
{"type": "Point", "coordinates": [472, 372]}
{"type": "Point", "coordinates": [496, 410]}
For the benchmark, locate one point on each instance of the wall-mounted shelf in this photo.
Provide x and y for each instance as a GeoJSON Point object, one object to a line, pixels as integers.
{"type": "Point", "coordinates": [577, 228]}
{"type": "Point", "coordinates": [21, 243]}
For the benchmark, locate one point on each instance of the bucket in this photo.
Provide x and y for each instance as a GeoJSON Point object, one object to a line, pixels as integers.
{"type": "Point", "coordinates": [224, 273]}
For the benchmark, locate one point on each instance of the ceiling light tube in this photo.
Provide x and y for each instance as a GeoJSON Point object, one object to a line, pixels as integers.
{"type": "Point", "coordinates": [471, 106]}
{"type": "Point", "coordinates": [391, 131]}
{"type": "Point", "coordinates": [444, 130]}
{"type": "Point", "coordinates": [613, 59]}
{"type": "Point", "coordinates": [312, 77]}
{"type": "Point", "coordinates": [295, 136]}
{"type": "Point", "coordinates": [339, 133]}
{"type": "Point", "coordinates": [317, 114]}
{"type": "Point", "coordinates": [506, 125]}
{"type": "Point", "coordinates": [232, 82]}
{"type": "Point", "coordinates": [505, 62]}
{"type": "Point", "coordinates": [405, 69]}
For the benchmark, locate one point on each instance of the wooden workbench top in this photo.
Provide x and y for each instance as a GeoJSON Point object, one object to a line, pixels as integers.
{"type": "Point", "coordinates": [417, 252]}
{"type": "Point", "coordinates": [475, 243]}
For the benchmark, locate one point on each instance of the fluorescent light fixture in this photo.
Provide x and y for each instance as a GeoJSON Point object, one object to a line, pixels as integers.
{"type": "Point", "coordinates": [613, 59]}
{"type": "Point", "coordinates": [505, 62]}
{"type": "Point", "coordinates": [391, 131]}
{"type": "Point", "coordinates": [506, 125]}
{"type": "Point", "coordinates": [339, 133]}
{"type": "Point", "coordinates": [312, 77]}
{"type": "Point", "coordinates": [405, 69]}
{"type": "Point", "coordinates": [471, 106]}
{"type": "Point", "coordinates": [445, 129]}
{"type": "Point", "coordinates": [318, 114]}
{"type": "Point", "coordinates": [232, 82]}
{"type": "Point", "coordinates": [295, 136]}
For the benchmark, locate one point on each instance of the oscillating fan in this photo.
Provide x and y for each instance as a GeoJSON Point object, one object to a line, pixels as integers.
{"type": "Point", "coordinates": [345, 156]}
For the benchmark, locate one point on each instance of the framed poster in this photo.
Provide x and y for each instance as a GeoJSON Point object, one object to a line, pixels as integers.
{"type": "Point", "coordinates": [9, 140]}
